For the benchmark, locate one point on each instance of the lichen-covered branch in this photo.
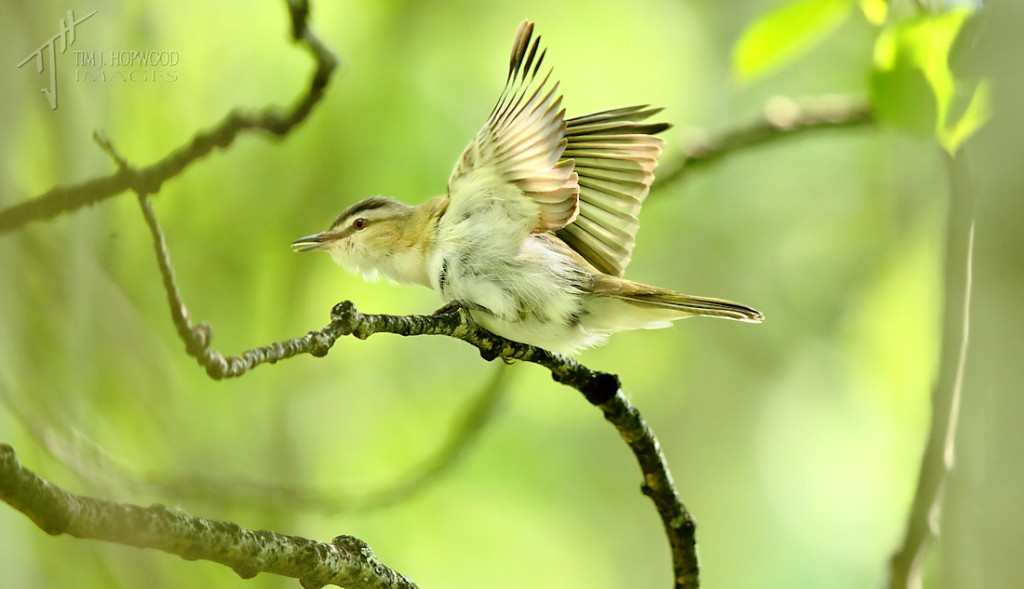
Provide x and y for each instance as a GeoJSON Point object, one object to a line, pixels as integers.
{"type": "Point", "coordinates": [781, 118]}
{"type": "Point", "coordinates": [680, 528]}
{"type": "Point", "coordinates": [147, 180]}
{"type": "Point", "coordinates": [345, 561]}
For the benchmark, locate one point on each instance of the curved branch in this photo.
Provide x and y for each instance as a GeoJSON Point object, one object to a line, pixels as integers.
{"type": "Point", "coordinates": [780, 118]}
{"type": "Point", "coordinates": [148, 180]}
{"type": "Point", "coordinates": [345, 561]}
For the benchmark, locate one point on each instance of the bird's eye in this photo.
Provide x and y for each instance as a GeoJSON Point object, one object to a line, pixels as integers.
{"type": "Point", "coordinates": [360, 224]}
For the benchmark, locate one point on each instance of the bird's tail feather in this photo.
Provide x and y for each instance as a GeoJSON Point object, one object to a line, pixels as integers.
{"type": "Point", "coordinates": [652, 299]}
{"type": "Point", "coordinates": [695, 305]}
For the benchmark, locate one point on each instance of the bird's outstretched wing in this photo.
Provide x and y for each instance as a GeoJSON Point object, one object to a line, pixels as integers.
{"type": "Point", "coordinates": [522, 143]}
{"type": "Point", "coordinates": [587, 176]}
{"type": "Point", "coordinates": [615, 155]}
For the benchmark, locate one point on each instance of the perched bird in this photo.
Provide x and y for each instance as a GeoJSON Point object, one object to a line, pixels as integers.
{"type": "Point", "coordinates": [537, 225]}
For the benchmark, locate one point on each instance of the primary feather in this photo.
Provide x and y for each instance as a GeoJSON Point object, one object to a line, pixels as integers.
{"type": "Point", "coordinates": [587, 176]}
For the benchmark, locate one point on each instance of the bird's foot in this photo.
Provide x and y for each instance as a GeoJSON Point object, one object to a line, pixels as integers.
{"type": "Point", "coordinates": [452, 307]}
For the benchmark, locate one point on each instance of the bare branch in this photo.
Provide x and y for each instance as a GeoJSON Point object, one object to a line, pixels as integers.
{"type": "Point", "coordinates": [781, 118]}
{"type": "Point", "coordinates": [196, 337]}
{"type": "Point", "coordinates": [680, 528]}
{"type": "Point", "coordinates": [148, 180]}
{"type": "Point", "coordinates": [936, 462]}
{"type": "Point", "coordinates": [345, 561]}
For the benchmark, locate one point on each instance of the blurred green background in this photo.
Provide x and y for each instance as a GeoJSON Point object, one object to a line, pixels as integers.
{"type": "Point", "coordinates": [794, 443]}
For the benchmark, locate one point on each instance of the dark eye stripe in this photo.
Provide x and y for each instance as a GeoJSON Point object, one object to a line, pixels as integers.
{"type": "Point", "coordinates": [369, 204]}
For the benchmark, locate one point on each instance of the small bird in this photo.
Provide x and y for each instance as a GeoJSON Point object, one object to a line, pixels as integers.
{"type": "Point", "coordinates": [537, 225]}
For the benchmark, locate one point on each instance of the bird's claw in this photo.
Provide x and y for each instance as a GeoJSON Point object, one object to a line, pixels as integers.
{"type": "Point", "coordinates": [452, 307]}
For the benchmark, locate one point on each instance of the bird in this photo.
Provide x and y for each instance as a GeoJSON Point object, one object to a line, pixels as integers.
{"type": "Point", "coordinates": [537, 225]}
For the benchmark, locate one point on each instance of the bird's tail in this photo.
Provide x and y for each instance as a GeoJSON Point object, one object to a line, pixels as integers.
{"type": "Point", "coordinates": [694, 305]}
{"type": "Point", "coordinates": [653, 307]}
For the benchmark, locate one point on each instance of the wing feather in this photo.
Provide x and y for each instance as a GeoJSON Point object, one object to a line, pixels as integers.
{"type": "Point", "coordinates": [522, 143]}
{"type": "Point", "coordinates": [583, 178]}
{"type": "Point", "coordinates": [616, 154]}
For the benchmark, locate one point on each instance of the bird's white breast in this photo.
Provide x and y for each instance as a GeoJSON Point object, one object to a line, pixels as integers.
{"type": "Point", "coordinates": [517, 284]}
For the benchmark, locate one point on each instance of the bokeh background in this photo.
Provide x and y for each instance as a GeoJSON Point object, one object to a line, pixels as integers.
{"type": "Point", "coordinates": [795, 443]}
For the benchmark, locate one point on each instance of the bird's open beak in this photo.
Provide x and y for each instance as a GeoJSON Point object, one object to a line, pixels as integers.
{"type": "Point", "coordinates": [311, 243]}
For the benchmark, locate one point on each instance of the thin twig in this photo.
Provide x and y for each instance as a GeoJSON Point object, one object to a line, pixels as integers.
{"type": "Point", "coordinates": [937, 460]}
{"type": "Point", "coordinates": [345, 561]}
{"type": "Point", "coordinates": [148, 180]}
{"type": "Point", "coordinates": [196, 337]}
{"type": "Point", "coordinates": [680, 528]}
{"type": "Point", "coordinates": [780, 119]}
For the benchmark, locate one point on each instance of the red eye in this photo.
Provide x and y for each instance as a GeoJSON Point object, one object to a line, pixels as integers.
{"type": "Point", "coordinates": [359, 224]}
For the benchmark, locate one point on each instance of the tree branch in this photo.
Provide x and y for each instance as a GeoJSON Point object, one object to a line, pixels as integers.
{"type": "Point", "coordinates": [148, 180]}
{"type": "Point", "coordinates": [345, 561]}
{"type": "Point", "coordinates": [937, 460]}
{"type": "Point", "coordinates": [781, 118]}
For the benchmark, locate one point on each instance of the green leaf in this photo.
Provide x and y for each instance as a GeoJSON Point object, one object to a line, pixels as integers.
{"type": "Point", "coordinates": [876, 11]}
{"type": "Point", "coordinates": [977, 114]}
{"type": "Point", "coordinates": [923, 44]}
{"type": "Point", "coordinates": [786, 33]}
{"type": "Point", "coordinates": [902, 98]}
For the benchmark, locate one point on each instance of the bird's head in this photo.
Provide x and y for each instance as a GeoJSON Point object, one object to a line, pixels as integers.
{"type": "Point", "coordinates": [377, 235]}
